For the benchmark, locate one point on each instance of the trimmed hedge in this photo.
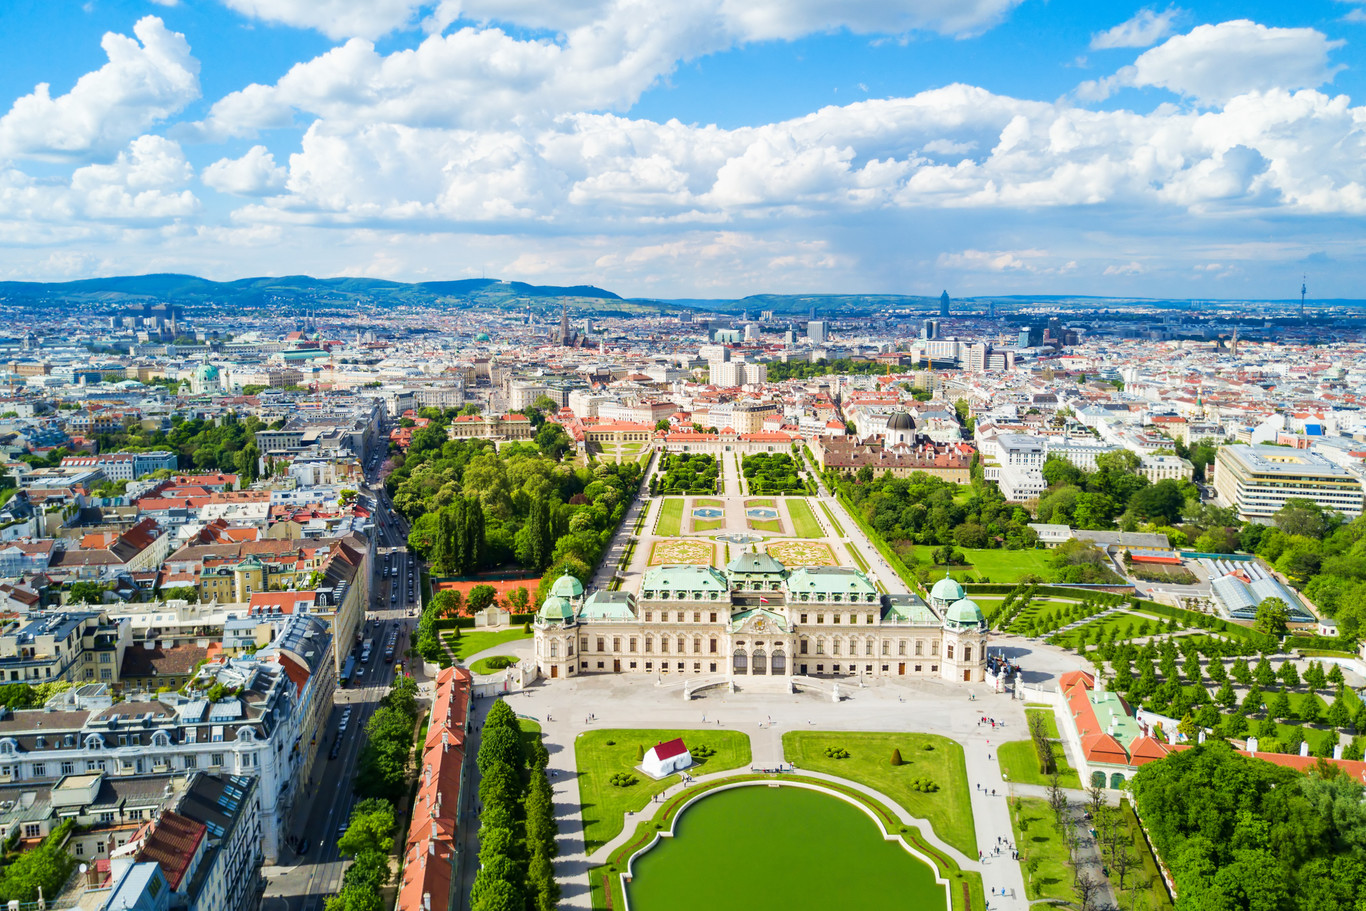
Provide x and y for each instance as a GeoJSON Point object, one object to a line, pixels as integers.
{"type": "Point", "coordinates": [468, 622]}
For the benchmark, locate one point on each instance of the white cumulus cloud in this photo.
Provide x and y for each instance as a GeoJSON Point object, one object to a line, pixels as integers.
{"type": "Point", "coordinates": [254, 174]}
{"type": "Point", "coordinates": [143, 182]}
{"type": "Point", "coordinates": [1215, 63]}
{"type": "Point", "coordinates": [1144, 29]}
{"type": "Point", "coordinates": [147, 79]}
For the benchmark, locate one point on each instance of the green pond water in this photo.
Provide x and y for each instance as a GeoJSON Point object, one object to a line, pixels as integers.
{"type": "Point", "coordinates": [786, 849]}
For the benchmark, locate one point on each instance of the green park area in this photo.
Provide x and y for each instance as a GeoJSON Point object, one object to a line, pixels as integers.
{"type": "Point", "coordinates": [801, 849]}
{"type": "Point", "coordinates": [472, 643]}
{"type": "Point", "coordinates": [983, 564]}
{"type": "Point", "coordinates": [670, 521]}
{"type": "Point", "coordinates": [1043, 851]}
{"type": "Point", "coordinates": [868, 757]}
{"type": "Point", "coordinates": [610, 786]}
{"type": "Point", "coordinates": [1020, 763]}
{"type": "Point", "coordinates": [803, 519]}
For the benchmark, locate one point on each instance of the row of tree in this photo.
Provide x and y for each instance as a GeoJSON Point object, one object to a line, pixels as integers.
{"type": "Point", "coordinates": [43, 869]}
{"type": "Point", "coordinates": [383, 765]}
{"type": "Point", "coordinates": [517, 820]}
{"type": "Point", "coordinates": [368, 841]}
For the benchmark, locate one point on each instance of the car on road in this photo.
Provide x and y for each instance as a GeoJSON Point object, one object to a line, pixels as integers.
{"type": "Point", "coordinates": [303, 847]}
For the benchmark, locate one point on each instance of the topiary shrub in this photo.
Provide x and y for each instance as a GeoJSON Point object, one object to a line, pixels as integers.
{"type": "Point", "coordinates": [702, 752]}
{"type": "Point", "coordinates": [836, 753]}
{"type": "Point", "coordinates": [640, 753]}
{"type": "Point", "coordinates": [896, 756]}
{"type": "Point", "coordinates": [622, 780]}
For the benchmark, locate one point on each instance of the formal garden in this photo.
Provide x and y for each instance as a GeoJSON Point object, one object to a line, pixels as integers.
{"type": "Point", "coordinates": [683, 550]}
{"type": "Point", "coordinates": [804, 522]}
{"type": "Point", "coordinates": [772, 473]}
{"type": "Point", "coordinates": [801, 553]}
{"type": "Point", "coordinates": [682, 472]}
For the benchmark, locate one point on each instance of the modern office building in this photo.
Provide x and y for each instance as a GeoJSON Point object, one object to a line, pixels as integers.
{"type": "Point", "coordinates": [1257, 481]}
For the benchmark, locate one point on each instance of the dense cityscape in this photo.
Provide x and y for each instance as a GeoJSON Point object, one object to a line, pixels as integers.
{"type": "Point", "coordinates": [266, 567]}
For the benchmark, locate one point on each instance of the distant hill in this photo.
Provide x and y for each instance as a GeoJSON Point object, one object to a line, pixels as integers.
{"type": "Point", "coordinates": [189, 290]}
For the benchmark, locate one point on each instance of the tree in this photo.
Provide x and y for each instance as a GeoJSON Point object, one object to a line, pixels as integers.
{"type": "Point", "coordinates": [371, 828]}
{"type": "Point", "coordinates": [85, 593]}
{"type": "Point", "coordinates": [1288, 675]}
{"type": "Point", "coordinates": [518, 600]}
{"type": "Point", "coordinates": [1338, 715]}
{"type": "Point", "coordinates": [552, 441]}
{"type": "Point", "coordinates": [1310, 710]}
{"type": "Point", "coordinates": [1301, 518]}
{"type": "Point", "coordinates": [1160, 502]}
{"type": "Point", "coordinates": [1335, 676]}
{"type": "Point", "coordinates": [896, 756]}
{"type": "Point", "coordinates": [1279, 706]}
{"type": "Point", "coordinates": [1264, 675]}
{"type": "Point", "coordinates": [480, 597]}
{"type": "Point", "coordinates": [1314, 676]}
{"type": "Point", "coordinates": [1273, 617]}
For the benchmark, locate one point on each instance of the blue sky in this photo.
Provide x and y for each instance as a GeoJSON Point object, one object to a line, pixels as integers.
{"type": "Point", "coordinates": [692, 147]}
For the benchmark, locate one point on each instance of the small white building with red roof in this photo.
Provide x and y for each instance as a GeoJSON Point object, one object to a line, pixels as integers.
{"type": "Point", "coordinates": [664, 759]}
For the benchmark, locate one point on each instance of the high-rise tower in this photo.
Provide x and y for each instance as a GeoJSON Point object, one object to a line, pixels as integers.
{"type": "Point", "coordinates": [944, 305]}
{"type": "Point", "coordinates": [1304, 289]}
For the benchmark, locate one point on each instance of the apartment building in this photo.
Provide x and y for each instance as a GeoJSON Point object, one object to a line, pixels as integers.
{"type": "Point", "coordinates": [63, 645]}
{"type": "Point", "coordinates": [1257, 481]}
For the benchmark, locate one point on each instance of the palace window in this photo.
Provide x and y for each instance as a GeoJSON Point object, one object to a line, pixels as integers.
{"type": "Point", "coordinates": [803, 618]}
{"type": "Point", "coordinates": [554, 649]}
{"type": "Point", "coordinates": [801, 647]}
{"type": "Point", "coordinates": [967, 653]}
{"type": "Point", "coordinates": [886, 648]}
{"type": "Point", "coordinates": [711, 645]}
{"type": "Point", "coordinates": [820, 618]}
{"type": "Point", "coordinates": [713, 616]}
{"type": "Point", "coordinates": [835, 618]}
{"type": "Point", "coordinates": [835, 647]}
{"type": "Point", "coordinates": [868, 647]}
{"type": "Point", "coordinates": [633, 644]}
{"type": "Point", "coordinates": [919, 647]}
{"type": "Point", "coordinates": [697, 617]}
{"type": "Point", "coordinates": [649, 615]}
{"type": "Point", "coordinates": [583, 644]}
{"type": "Point", "coordinates": [649, 645]}
{"type": "Point", "coordinates": [664, 645]}
{"type": "Point", "coordinates": [820, 646]}
{"type": "Point", "coordinates": [601, 642]}
{"type": "Point", "coordinates": [616, 643]}
{"type": "Point", "coordinates": [934, 647]}
{"type": "Point", "coordinates": [950, 650]}
{"type": "Point", "coordinates": [869, 619]}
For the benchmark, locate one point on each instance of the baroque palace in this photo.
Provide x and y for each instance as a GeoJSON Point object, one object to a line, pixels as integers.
{"type": "Point", "coordinates": [760, 618]}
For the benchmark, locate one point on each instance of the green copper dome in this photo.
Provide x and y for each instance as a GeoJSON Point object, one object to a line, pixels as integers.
{"type": "Point", "coordinates": [567, 587]}
{"type": "Point", "coordinates": [965, 612]}
{"type": "Point", "coordinates": [556, 610]}
{"type": "Point", "coordinates": [947, 590]}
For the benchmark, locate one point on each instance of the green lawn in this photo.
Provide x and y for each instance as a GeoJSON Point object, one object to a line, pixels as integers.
{"type": "Point", "coordinates": [707, 524]}
{"type": "Point", "coordinates": [670, 521]}
{"type": "Point", "coordinates": [1039, 841]}
{"type": "Point", "coordinates": [1020, 764]}
{"type": "Point", "coordinates": [839, 529]}
{"type": "Point", "coordinates": [948, 810]}
{"type": "Point", "coordinates": [472, 643]}
{"type": "Point", "coordinates": [803, 519]}
{"type": "Point", "coordinates": [602, 754]}
{"type": "Point", "coordinates": [491, 664]}
{"type": "Point", "coordinates": [1146, 880]}
{"type": "Point", "coordinates": [773, 525]}
{"type": "Point", "coordinates": [858, 559]}
{"type": "Point", "coordinates": [702, 501]}
{"type": "Point", "coordinates": [1008, 565]}
{"type": "Point", "coordinates": [765, 501]}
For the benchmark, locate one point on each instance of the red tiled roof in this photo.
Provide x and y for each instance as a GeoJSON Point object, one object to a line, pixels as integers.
{"type": "Point", "coordinates": [669, 749]}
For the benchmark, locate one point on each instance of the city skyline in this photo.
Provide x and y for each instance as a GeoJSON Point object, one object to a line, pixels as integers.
{"type": "Point", "coordinates": [990, 148]}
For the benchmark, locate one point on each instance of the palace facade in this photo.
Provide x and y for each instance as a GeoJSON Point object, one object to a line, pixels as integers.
{"type": "Point", "coordinates": [759, 618]}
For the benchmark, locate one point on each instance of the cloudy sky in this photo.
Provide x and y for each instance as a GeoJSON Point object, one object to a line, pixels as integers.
{"type": "Point", "coordinates": [700, 148]}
